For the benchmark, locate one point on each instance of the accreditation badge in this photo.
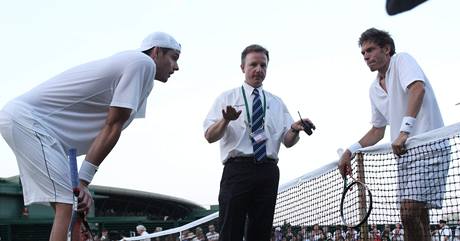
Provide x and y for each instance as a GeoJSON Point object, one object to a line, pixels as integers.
{"type": "Point", "coordinates": [258, 135]}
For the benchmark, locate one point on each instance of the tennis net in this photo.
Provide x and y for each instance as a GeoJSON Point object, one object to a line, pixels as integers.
{"type": "Point", "coordinates": [432, 160]}
{"type": "Point", "coordinates": [314, 198]}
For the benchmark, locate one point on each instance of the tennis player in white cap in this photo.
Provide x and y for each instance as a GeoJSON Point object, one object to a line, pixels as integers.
{"type": "Point", "coordinates": [85, 107]}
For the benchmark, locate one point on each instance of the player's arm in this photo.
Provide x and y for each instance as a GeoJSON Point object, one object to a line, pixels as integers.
{"type": "Point", "coordinates": [374, 135]}
{"type": "Point", "coordinates": [416, 92]}
{"type": "Point", "coordinates": [99, 149]}
{"type": "Point", "coordinates": [109, 135]}
{"type": "Point", "coordinates": [217, 130]}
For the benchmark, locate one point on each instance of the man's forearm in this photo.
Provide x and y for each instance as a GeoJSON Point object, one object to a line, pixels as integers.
{"type": "Point", "coordinates": [216, 131]}
{"type": "Point", "coordinates": [416, 92]}
{"type": "Point", "coordinates": [373, 136]}
{"type": "Point", "coordinates": [103, 143]}
{"type": "Point", "coordinates": [291, 138]}
{"type": "Point", "coordinates": [99, 149]}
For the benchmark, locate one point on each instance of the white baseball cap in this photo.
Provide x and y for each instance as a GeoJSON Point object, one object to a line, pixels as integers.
{"type": "Point", "coordinates": [159, 39]}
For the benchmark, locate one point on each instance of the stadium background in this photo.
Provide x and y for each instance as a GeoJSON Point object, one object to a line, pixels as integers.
{"type": "Point", "coordinates": [118, 210]}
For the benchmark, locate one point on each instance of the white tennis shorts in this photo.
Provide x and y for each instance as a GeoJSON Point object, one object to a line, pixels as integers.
{"type": "Point", "coordinates": [42, 162]}
{"type": "Point", "coordinates": [422, 174]}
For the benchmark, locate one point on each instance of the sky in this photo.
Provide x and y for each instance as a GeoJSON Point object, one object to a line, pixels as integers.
{"type": "Point", "coordinates": [315, 67]}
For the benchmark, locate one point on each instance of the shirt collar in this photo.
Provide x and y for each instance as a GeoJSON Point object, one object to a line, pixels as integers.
{"type": "Point", "coordinates": [249, 89]}
{"type": "Point", "coordinates": [392, 60]}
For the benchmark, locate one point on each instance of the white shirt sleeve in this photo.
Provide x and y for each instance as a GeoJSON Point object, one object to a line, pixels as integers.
{"type": "Point", "coordinates": [132, 86]}
{"type": "Point", "coordinates": [142, 109]}
{"type": "Point", "coordinates": [378, 119]}
{"type": "Point", "coordinates": [214, 114]}
{"type": "Point", "coordinates": [287, 120]}
{"type": "Point", "coordinates": [408, 70]}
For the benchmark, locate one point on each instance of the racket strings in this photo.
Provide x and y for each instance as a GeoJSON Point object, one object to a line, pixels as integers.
{"type": "Point", "coordinates": [356, 204]}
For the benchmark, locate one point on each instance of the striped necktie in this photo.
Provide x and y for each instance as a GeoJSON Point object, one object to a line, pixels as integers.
{"type": "Point", "coordinates": [260, 151]}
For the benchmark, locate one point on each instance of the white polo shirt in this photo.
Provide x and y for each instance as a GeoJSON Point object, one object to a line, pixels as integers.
{"type": "Point", "coordinates": [236, 140]}
{"type": "Point", "coordinates": [389, 108]}
{"type": "Point", "coordinates": [73, 105]}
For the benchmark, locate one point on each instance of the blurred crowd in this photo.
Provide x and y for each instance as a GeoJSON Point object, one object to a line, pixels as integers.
{"type": "Point", "coordinates": [439, 232]}
{"type": "Point", "coordinates": [206, 233]}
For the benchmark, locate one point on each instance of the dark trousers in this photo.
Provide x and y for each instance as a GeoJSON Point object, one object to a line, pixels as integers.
{"type": "Point", "coordinates": [247, 190]}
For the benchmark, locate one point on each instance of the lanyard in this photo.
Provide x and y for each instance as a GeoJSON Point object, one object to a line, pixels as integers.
{"type": "Point", "coordinates": [247, 106]}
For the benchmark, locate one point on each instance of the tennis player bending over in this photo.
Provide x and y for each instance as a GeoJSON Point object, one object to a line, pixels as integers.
{"type": "Point", "coordinates": [85, 107]}
{"type": "Point", "coordinates": [401, 96]}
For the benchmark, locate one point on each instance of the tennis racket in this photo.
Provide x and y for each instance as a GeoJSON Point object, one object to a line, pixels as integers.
{"type": "Point", "coordinates": [77, 218]}
{"type": "Point", "coordinates": [356, 202]}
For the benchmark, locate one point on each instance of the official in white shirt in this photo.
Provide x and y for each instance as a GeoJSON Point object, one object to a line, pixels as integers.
{"type": "Point", "coordinates": [250, 123]}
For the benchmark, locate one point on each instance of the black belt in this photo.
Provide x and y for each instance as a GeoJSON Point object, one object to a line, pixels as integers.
{"type": "Point", "coordinates": [248, 159]}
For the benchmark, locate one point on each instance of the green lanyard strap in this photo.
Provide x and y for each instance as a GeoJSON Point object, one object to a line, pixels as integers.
{"type": "Point", "coordinates": [247, 106]}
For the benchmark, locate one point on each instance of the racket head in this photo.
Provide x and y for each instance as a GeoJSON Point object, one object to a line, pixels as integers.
{"type": "Point", "coordinates": [355, 196]}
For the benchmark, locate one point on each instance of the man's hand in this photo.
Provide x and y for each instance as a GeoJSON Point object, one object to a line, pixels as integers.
{"type": "Point", "coordinates": [345, 164]}
{"type": "Point", "coordinates": [85, 200]}
{"type": "Point", "coordinates": [399, 145]}
{"type": "Point", "coordinates": [230, 113]}
{"type": "Point", "coordinates": [217, 130]}
{"type": "Point", "coordinates": [292, 136]}
{"type": "Point", "coordinates": [298, 126]}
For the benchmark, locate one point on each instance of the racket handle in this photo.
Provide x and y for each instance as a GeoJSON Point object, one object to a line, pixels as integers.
{"type": "Point", "coordinates": [73, 167]}
{"type": "Point", "coordinates": [76, 191]}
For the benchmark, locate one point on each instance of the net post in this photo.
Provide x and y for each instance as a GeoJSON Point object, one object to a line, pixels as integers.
{"type": "Point", "coordinates": [364, 229]}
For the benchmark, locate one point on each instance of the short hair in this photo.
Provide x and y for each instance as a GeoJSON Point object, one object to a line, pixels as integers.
{"type": "Point", "coordinates": [251, 49]}
{"type": "Point", "coordinates": [379, 37]}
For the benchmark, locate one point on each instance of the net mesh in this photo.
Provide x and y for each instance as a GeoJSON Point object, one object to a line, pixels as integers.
{"type": "Point", "coordinates": [355, 204]}
{"type": "Point", "coordinates": [429, 172]}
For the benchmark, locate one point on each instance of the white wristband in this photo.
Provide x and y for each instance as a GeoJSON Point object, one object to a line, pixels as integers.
{"type": "Point", "coordinates": [354, 148]}
{"type": "Point", "coordinates": [407, 124]}
{"type": "Point", "coordinates": [87, 171]}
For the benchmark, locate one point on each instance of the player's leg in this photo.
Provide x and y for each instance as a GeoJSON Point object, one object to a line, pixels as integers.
{"type": "Point", "coordinates": [414, 217]}
{"type": "Point", "coordinates": [406, 220]}
{"type": "Point", "coordinates": [415, 177]}
{"type": "Point", "coordinates": [43, 169]}
{"type": "Point", "coordinates": [430, 183]}
{"type": "Point", "coordinates": [62, 216]}
{"type": "Point", "coordinates": [425, 222]}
